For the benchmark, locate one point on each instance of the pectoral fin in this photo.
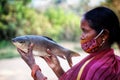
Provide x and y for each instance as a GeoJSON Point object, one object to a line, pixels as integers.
{"type": "Point", "coordinates": [69, 60]}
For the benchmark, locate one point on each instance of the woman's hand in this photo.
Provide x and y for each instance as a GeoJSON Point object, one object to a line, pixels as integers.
{"type": "Point", "coordinates": [53, 63]}
{"type": "Point", "coordinates": [51, 60]}
{"type": "Point", "coordinates": [28, 57]}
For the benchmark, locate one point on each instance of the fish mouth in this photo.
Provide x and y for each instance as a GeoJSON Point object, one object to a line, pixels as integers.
{"type": "Point", "coordinates": [15, 43]}
{"type": "Point", "coordinates": [13, 40]}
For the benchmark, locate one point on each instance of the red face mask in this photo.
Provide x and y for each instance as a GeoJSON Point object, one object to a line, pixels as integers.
{"type": "Point", "coordinates": [94, 44]}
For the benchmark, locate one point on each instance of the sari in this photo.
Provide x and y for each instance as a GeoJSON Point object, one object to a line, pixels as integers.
{"type": "Point", "coordinates": [104, 65]}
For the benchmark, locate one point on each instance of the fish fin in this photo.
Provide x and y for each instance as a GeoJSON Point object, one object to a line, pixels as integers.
{"type": "Point", "coordinates": [69, 56]}
{"type": "Point", "coordinates": [49, 38]}
{"type": "Point", "coordinates": [69, 60]}
{"type": "Point", "coordinates": [74, 54]}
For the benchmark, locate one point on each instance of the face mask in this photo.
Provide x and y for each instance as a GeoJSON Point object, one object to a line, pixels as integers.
{"type": "Point", "coordinates": [94, 44]}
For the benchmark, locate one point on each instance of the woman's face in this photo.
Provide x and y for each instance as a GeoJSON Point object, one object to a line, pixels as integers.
{"type": "Point", "coordinates": [87, 32]}
{"type": "Point", "coordinates": [91, 41]}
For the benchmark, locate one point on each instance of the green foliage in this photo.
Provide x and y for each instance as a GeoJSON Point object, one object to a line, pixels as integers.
{"type": "Point", "coordinates": [7, 50]}
{"type": "Point", "coordinates": [11, 13]}
{"type": "Point", "coordinates": [72, 27]}
{"type": "Point", "coordinates": [65, 25]}
{"type": "Point", "coordinates": [114, 5]}
{"type": "Point", "coordinates": [19, 19]}
{"type": "Point", "coordinates": [33, 23]}
{"type": "Point", "coordinates": [8, 54]}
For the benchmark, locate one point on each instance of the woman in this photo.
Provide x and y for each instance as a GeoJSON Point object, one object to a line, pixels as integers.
{"type": "Point", "coordinates": [100, 27]}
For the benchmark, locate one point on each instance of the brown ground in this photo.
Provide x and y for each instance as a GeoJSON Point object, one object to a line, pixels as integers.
{"type": "Point", "coordinates": [16, 69]}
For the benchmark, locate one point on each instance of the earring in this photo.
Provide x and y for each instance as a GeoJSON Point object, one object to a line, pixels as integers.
{"type": "Point", "coordinates": [103, 41]}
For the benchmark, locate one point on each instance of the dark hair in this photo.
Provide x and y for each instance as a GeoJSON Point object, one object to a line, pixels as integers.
{"type": "Point", "coordinates": [104, 18]}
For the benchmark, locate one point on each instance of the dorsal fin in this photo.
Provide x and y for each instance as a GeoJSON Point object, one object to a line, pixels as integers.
{"type": "Point", "coordinates": [49, 38]}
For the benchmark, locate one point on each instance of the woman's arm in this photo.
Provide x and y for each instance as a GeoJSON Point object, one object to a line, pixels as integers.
{"type": "Point", "coordinates": [51, 60]}
{"type": "Point", "coordinates": [30, 61]}
{"type": "Point", "coordinates": [54, 63]}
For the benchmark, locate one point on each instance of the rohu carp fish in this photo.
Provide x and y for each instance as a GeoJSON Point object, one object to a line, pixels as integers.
{"type": "Point", "coordinates": [41, 44]}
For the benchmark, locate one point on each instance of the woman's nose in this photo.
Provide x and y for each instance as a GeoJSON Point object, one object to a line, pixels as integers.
{"type": "Point", "coordinates": [82, 37]}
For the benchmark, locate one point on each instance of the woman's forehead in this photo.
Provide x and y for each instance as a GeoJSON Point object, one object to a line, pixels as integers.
{"type": "Point", "coordinates": [85, 24]}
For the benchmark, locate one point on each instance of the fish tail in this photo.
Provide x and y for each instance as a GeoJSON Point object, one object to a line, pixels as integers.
{"type": "Point", "coordinates": [74, 54]}
{"type": "Point", "coordinates": [69, 56]}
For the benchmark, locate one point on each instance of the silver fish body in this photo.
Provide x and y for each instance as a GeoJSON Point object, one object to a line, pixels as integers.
{"type": "Point", "coordinates": [41, 44]}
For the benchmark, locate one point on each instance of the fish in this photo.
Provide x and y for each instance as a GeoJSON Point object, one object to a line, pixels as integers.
{"type": "Point", "coordinates": [41, 44]}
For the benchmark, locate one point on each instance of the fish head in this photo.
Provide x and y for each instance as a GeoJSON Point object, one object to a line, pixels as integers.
{"type": "Point", "coordinates": [21, 42]}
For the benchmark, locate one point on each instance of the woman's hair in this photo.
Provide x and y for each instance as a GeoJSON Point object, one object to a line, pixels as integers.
{"type": "Point", "coordinates": [104, 18]}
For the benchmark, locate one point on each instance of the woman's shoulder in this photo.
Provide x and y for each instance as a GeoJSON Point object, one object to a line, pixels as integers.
{"type": "Point", "coordinates": [117, 57]}
{"type": "Point", "coordinates": [105, 68]}
{"type": "Point", "coordinates": [109, 64]}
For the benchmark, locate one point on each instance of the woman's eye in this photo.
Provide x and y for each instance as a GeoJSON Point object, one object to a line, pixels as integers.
{"type": "Point", "coordinates": [84, 31]}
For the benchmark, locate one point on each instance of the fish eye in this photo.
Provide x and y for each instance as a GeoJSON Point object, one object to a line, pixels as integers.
{"type": "Point", "coordinates": [21, 41]}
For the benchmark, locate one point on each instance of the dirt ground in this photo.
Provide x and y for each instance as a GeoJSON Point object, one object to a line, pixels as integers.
{"type": "Point", "coordinates": [16, 69]}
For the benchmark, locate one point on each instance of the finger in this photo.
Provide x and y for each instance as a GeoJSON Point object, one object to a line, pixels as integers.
{"type": "Point", "coordinates": [30, 48]}
{"type": "Point", "coordinates": [47, 59]}
{"type": "Point", "coordinates": [48, 51]}
{"type": "Point", "coordinates": [52, 56]}
{"type": "Point", "coordinates": [21, 51]}
{"type": "Point", "coordinates": [31, 45]}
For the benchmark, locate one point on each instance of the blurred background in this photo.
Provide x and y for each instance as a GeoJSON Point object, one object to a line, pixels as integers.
{"type": "Point", "coordinates": [58, 19]}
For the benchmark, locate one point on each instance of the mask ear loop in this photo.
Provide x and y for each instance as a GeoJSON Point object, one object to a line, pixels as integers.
{"type": "Point", "coordinates": [99, 35]}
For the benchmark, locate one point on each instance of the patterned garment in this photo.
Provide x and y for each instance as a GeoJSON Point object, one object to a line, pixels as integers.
{"type": "Point", "coordinates": [102, 66]}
